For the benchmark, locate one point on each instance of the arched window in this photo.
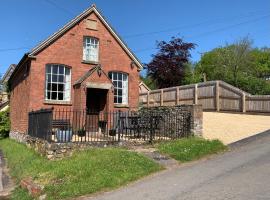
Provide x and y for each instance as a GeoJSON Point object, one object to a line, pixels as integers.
{"type": "Point", "coordinates": [120, 82]}
{"type": "Point", "coordinates": [58, 81]}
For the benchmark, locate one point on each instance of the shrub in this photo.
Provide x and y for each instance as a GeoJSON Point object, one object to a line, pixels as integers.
{"type": "Point", "coordinates": [253, 85]}
{"type": "Point", "coordinates": [4, 124]}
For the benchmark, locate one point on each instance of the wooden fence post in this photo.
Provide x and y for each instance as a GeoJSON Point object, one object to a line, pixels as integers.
{"type": "Point", "coordinates": [177, 96]}
{"type": "Point", "coordinates": [196, 94]}
{"type": "Point", "coordinates": [243, 102]}
{"type": "Point", "coordinates": [147, 99]}
{"type": "Point", "coordinates": [217, 97]}
{"type": "Point", "coordinates": [161, 97]}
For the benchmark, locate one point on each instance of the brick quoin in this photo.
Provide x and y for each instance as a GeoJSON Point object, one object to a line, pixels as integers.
{"type": "Point", "coordinates": [28, 83]}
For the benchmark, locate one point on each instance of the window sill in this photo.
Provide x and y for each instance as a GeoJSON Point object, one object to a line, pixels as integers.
{"type": "Point", "coordinates": [121, 105]}
{"type": "Point", "coordinates": [90, 62]}
{"type": "Point", "coordinates": [57, 102]}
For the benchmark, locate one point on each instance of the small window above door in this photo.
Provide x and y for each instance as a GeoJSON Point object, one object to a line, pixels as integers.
{"type": "Point", "coordinates": [90, 49]}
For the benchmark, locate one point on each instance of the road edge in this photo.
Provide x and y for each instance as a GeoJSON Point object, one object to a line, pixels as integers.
{"type": "Point", "coordinates": [249, 139]}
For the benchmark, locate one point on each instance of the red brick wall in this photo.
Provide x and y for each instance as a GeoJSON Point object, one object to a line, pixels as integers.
{"type": "Point", "coordinates": [68, 50]}
{"type": "Point", "coordinates": [19, 100]}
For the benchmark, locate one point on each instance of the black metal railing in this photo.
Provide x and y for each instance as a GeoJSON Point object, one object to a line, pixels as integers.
{"type": "Point", "coordinates": [88, 126]}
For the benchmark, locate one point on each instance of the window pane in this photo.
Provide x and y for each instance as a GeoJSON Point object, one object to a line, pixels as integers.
{"type": "Point", "coordinates": [54, 87]}
{"type": "Point", "coordinates": [119, 92]}
{"type": "Point", "coordinates": [60, 96]}
{"type": "Point", "coordinates": [119, 100]}
{"type": "Point", "coordinates": [54, 78]}
{"type": "Point", "coordinates": [54, 95]}
{"type": "Point", "coordinates": [120, 84]}
{"type": "Point", "coordinates": [67, 71]}
{"type": "Point", "coordinates": [60, 78]}
{"type": "Point", "coordinates": [119, 76]}
{"type": "Point", "coordinates": [58, 82]}
{"type": "Point", "coordinates": [90, 49]}
{"type": "Point", "coordinates": [114, 76]}
{"type": "Point", "coordinates": [55, 69]}
{"type": "Point", "coordinates": [48, 69]}
{"type": "Point", "coordinates": [61, 69]}
{"type": "Point", "coordinates": [60, 87]}
{"type": "Point", "coordinates": [49, 78]}
{"type": "Point", "coordinates": [49, 86]}
{"type": "Point", "coordinates": [48, 95]}
{"type": "Point", "coordinates": [114, 83]}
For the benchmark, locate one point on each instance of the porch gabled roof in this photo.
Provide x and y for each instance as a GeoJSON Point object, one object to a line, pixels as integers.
{"type": "Point", "coordinates": [89, 73]}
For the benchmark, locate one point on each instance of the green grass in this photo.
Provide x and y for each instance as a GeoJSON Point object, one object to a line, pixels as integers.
{"type": "Point", "coordinates": [21, 194]}
{"type": "Point", "coordinates": [188, 149]}
{"type": "Point", "coordinates": [85, 172]}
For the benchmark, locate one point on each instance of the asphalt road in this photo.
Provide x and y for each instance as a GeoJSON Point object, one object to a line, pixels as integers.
{"type": "Point", "coordinates": [242, 173]}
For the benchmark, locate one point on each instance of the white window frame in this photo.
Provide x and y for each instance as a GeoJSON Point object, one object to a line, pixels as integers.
{"type": "Point", "coordinates": [49, 81]}
{"type": "Point", "coordinates": [120, 89]}
{"type": "Point", "coordinates": [90, 49]}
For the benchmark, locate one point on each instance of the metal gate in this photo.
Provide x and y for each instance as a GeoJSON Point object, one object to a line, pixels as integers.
{"type": "Point", "coordinates": [40, 123]}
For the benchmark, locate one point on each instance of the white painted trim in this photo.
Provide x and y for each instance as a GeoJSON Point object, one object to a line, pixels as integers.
{"type": "Point", "coordinates": [106, 86]}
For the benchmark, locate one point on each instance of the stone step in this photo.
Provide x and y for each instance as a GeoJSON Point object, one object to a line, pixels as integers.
{"type": "Point", "coordinates": [161, 159]}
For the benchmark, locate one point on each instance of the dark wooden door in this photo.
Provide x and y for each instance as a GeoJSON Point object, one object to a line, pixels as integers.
{"type": "Point", "coordinates": [96, 100]}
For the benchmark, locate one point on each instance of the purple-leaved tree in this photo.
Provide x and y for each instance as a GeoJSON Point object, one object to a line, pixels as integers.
{"type": "Point", "coordinates": [167, 68]}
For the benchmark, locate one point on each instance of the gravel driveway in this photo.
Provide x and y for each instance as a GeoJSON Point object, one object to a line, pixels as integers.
{"type": "Point", "coordinates": [243, 173]}
{"type": "Point", "coordinates": [229, 127]}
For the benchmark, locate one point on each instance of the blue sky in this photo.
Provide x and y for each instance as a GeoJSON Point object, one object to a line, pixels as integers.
{"type": "Point", "coordinates": [208, 23]}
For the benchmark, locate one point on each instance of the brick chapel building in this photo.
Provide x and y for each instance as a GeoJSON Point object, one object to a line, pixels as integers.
{"type": "Point", "coordinates": [84, 65]}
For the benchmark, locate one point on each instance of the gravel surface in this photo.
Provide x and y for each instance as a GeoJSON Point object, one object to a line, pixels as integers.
{"type": "Point", "coordinates": [230, 128]}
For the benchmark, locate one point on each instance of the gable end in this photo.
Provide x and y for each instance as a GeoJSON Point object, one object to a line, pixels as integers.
{"type": "Point", "coordinates": [73, 22]}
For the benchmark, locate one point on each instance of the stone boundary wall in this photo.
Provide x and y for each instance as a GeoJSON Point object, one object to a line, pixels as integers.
{"type": "Point", "coordinates": [19, 137]}
{"type": "Point", "coordinates": [54, 151]}
{"type": "Point", "coordinates": [196, 112]}
{"type": "Point", "coordinates": [197, 119]}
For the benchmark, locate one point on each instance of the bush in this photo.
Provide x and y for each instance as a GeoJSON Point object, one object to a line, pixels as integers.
{"type": "Point", "coordinates": [253, 85]}
{"type": "Point", "coordinates": [4, 124]}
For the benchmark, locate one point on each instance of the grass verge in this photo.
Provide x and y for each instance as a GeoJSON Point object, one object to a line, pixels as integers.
{"type": "Point", "coordinates": [85, 172]}
{"type": "Point", "coordinates": [188, 149]}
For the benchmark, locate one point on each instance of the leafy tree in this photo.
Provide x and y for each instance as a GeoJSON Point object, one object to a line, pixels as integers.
{"type": "Point", "coordinates": [167, 68]}
{"type": "Point", "coordinates": [226, 63]}
{"type": "Point", "coordinates": [260, 62]}
{"type": "Point", "coordinates": [191, 76]}
{"type": "Point", "coordinates": [238, 64]}
{"type": "Point", "coordinates": [149, 82]}
{"type": "Point", "coordinates": [4, 124]}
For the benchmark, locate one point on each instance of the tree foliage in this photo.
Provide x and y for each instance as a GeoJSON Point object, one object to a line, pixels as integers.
{"type": "Point", "coordinates": [167, 68]}
{"type": "Point", "coordinates": [238, 64]}
{"type": "Point", "coordinates": [149, 82]}
{"type": "Point", "coordinates": [4, 124]}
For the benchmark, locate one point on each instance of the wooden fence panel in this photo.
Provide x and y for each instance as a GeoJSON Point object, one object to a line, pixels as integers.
{"type": "Point", "coordinates": [230, 99]}
{"type": "Point", "coordinates": [213, 95]}
{"type": "Point", "coordinates": [258, 103]}
{"type": "Point", "coordinates": [169, 96]}
{"type": "Point", "coordinates": [206, 96]}
{"type": "Point", "coordinates": [186, 94]}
